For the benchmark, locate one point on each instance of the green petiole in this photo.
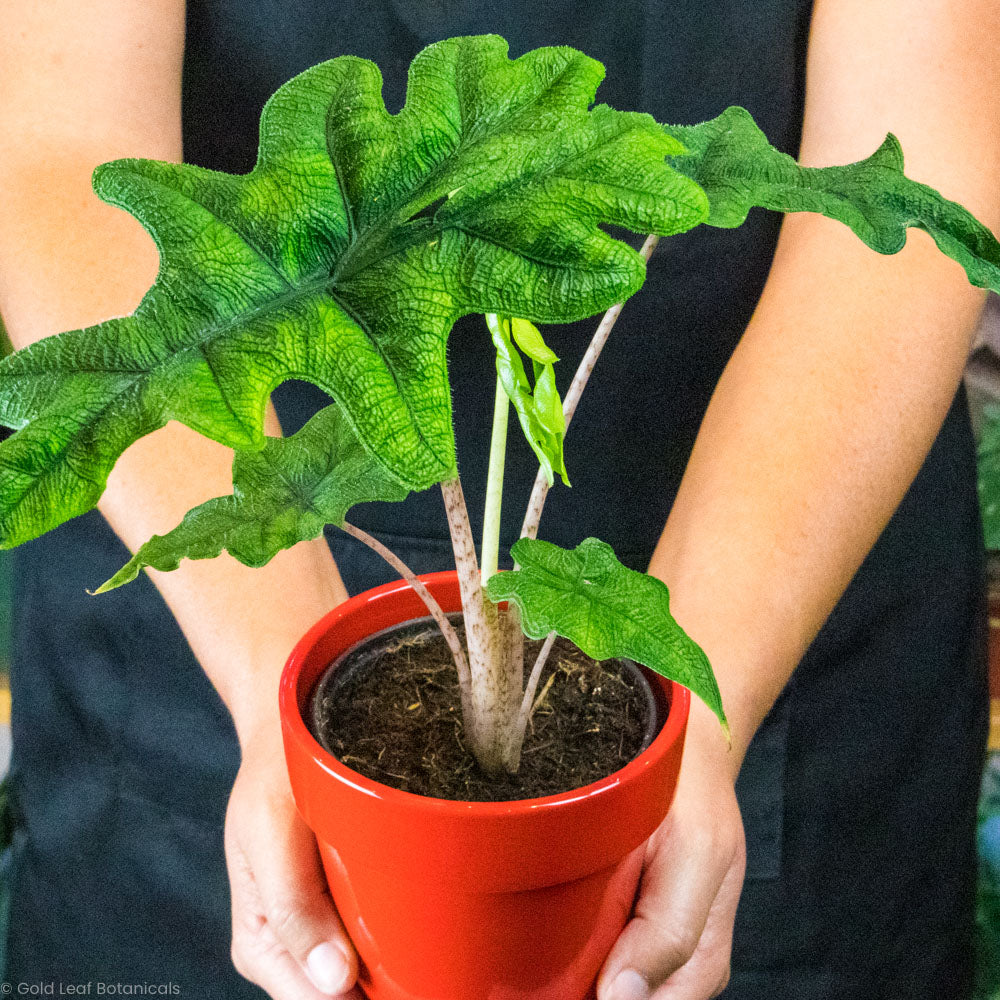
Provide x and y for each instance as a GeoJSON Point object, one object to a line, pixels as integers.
{"type": "Point", "coordinates": [494, 477]}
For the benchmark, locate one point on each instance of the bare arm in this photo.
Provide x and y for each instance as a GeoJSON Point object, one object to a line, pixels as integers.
{"type": "Point", "coordinates": [83, 84]}
{"type": "Point", "coordinates": [819, 424]}
{"type": "Point", "coordinates": [844, 376]}
{"type": "Point", "coordinates": [81, 87]}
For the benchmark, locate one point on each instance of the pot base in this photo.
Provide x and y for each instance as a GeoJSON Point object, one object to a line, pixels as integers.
{"type": "Point", "coordinates": [485, 932]}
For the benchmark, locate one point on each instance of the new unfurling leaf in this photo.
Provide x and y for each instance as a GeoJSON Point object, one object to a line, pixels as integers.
{"type": "Point", "coordinates": [538, 407]}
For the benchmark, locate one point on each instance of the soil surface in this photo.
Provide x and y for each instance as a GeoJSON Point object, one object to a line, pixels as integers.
{"type": "Point", "coordinates": [393, 715]}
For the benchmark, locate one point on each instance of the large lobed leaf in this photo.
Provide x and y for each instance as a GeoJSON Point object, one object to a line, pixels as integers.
{"type": "Point", "coordinates": [344, 258]}
{"type": "Point", "coordinates": [283, 494]}
{"type": "Point", "coordinates": [739, 169]}
{"type": "Point", "coordinates": [588, 596]}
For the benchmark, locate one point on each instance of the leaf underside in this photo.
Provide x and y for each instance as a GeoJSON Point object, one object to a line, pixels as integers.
{"type": "Point", "coordinates": [608, 610]}
{"type": "Point", "coordinates": [344, 258]}
{"type": "Point", "coordinates": [282, 494]}
{"type": "Point", "coordinates": [731, 159]}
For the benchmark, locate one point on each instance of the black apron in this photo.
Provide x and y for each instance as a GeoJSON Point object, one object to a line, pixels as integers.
{"type": "Point", "coordinates": [859, 791]}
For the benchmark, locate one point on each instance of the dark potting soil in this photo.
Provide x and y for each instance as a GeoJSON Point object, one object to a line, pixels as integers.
{"type": "Point", "coordinates": [393, 715]}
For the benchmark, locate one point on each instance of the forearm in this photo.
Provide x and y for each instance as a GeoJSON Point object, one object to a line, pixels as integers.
{"type": "Point", "coordinates": [817, 428]}
{"type": "Point", "coordinates": [843, 377]}
{"type": "Point", "coordinates": [240, 623]}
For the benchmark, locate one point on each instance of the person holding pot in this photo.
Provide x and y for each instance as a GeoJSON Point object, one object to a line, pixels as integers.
{"type": "Point", "coordinates": [807, 385]}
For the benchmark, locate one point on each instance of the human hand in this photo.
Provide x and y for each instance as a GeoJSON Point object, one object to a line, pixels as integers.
{"type": "Point", "coordinates": [287, 937]}
{"type": "Point", "coordinates": [677, 945]}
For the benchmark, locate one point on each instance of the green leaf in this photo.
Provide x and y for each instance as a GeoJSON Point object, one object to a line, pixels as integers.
{"type": "Point", "coordinates": [549, 409]}
{"type": "Point", "coordinates": [283, 494]}
{"type": "Point", "coordinates": [588, 596]}
{"type": "Point", "coordinates": [528, 338]}
{"type": "Point", "coordinates": [739, 169]}
{"type": "Point", "coordinates": [539, 409]}
{"type": "Point", "coordinates": [989, 476]}
{"type": "Point", "coordinates": [344, 258]}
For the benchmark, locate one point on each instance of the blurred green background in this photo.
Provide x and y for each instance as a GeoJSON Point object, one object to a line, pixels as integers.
{"type": "Point", "coordinates": [988, 903]}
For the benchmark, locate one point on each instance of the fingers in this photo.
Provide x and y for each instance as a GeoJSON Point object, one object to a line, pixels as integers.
{"type": "Point", "coordinates": [678, 944]}
{"type": "Point", "coordinates": [706, 972]}
{"type": "Point", "coordinates": [277, 973]}
{"type": "Point", "coordinates": [287, 937]}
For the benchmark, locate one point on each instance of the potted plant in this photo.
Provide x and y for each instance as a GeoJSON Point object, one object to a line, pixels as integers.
{"type": "Point", "coordinates": [344, 258]}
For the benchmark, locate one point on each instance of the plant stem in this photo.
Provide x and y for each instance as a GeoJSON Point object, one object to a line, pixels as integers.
{"type": "Point", "coordinates": [527, 703]}
{"type": "Point", "coordinates": [540, 491]}
{"type": "Point", "coordinates": [494, 483]}
{"type": "Point", "coordinates": [493, 686]}
{"type": "Point", "coordinates": [447, 629]}
{"type": "Point", "coordinates": [509, 637]}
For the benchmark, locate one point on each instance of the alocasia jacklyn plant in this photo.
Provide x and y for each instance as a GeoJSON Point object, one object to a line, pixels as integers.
{"type": "Point", "coordinates": [346, 256]}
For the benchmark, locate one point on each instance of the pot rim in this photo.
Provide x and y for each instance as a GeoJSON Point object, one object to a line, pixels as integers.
{"type": "Point", "coordinates": [291, 700]}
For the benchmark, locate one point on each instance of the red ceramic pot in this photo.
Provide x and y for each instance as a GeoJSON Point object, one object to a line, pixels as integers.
{"type": "Point", "coordinates": [471, 900]}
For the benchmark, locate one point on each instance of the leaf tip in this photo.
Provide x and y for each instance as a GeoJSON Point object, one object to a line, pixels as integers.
{"type": "Point", "coordinates": [126, 574]}
{"type": "Point", "coordinates": [497, 591]}
{"type": "Point", "coordinates": [105, 178]}
{"type": "Point", "coordinates": [726, 731]}
{"type": "Point", "coordinates": [891, 151]}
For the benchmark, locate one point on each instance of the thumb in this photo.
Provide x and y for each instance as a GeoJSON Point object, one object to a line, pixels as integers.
{"type": "Point", "coordinates": [680, 938]}
{"type": "Point", "coordinates": [297, 905]}
{"type": "Point", "coordinates": [285, 928]}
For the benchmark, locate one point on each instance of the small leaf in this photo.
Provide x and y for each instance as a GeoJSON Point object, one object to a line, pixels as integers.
{"type": "Point", "coordinates": [738, 168]}
{"type": "Point", "coordinates": [539, 410]}
{"type": "Point", "coordinates": [283, 494]}
{"type": "Point", "coordinates": [989, 476]}
{"type": "Point", "coordinates": [549, 408]}
{"type": "Point", "coordinates": [608, 610]}
{"type": "Point", "coordinates": [528, 337]}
